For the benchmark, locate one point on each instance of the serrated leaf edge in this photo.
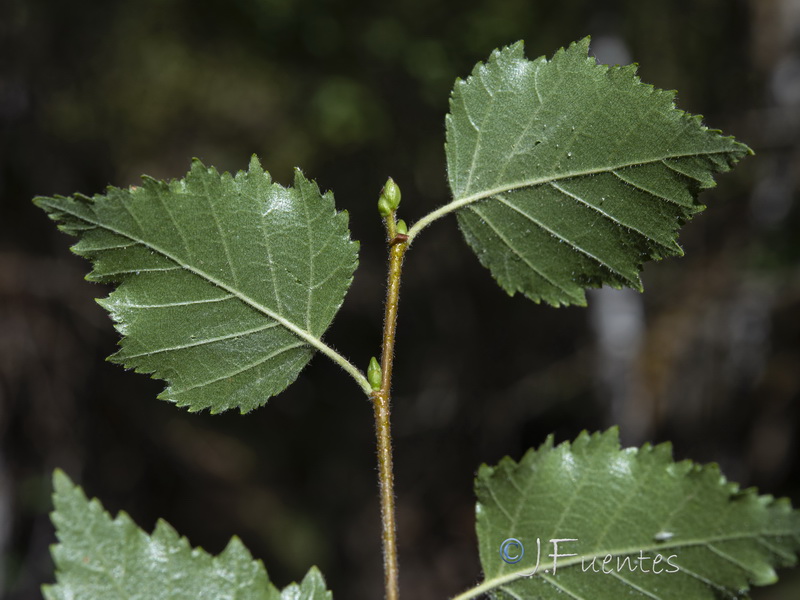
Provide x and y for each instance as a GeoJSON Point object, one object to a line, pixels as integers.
{"type": "Point", "coordinates": [63, 487]}
{"type": "Point", "coordinates": [683, 467]}
{"type": "Point", "coordinates": [517, 49]}
{"type": "Point", "coordinates": [304, 335]}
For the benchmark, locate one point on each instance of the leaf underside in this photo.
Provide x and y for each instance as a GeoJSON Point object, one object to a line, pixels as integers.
{"type": "Point", "coordinates": [98, 558]}
{"type": "Point", "coordinates": [713, 538]}
{"type": "Point", "coordinates": [570, 174]}
{"type": "Point", "coordinates": [226, 284]}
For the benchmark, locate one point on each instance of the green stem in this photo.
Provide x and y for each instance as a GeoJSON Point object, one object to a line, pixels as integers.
{"type": "Point", "coordinates": [381, 400]}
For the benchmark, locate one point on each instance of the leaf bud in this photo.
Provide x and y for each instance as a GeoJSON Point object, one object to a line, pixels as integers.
{"type": "Point", "coordinates": [374, 373]}
{"type": "Point", "coordinates": [391, 194]}
{"type": "Point", "coordinates": [383, 207]}
{"type": "Point", "coordinates": [402, 228]}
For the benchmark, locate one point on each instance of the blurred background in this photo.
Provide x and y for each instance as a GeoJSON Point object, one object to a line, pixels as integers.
{"type": "Point", "coordinates": [97, 93]}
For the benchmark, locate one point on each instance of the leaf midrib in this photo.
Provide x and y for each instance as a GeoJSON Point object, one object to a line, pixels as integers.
{"type": "Point", "coordinates": [495, 582]}
{"type": "Point", "coordinates": [536, 182]}
{"type": "Point", "coordinates": [459, 203]}
{"type": "Point", "coordinates": [306, 336]}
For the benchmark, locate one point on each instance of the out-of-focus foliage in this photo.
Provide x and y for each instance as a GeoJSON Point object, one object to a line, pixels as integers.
{"type": "Point", "coordinates": [96, 93]}
{"type": "Point", "coordinates": [98, 557]}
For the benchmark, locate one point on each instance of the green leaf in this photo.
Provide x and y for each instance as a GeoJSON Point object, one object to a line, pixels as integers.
{"type": "Point", "coordinates": [567, 174]}
{"type": "Point", "coordinates": [104, 559]}
{"type": "Point", "coordinates": [226, 283]}
{"type": "Point", "coordinates": [631, 505]}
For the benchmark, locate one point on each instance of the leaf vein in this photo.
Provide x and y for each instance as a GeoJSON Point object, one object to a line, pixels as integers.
{"type": "Point", "coordinates": [708, 582]}
{"type": "Point", "coordinates": [270, 262]}
{"type": "Point", "coordinates": [248, 367]}
{"type": "Point", "coordinates": [311, 257]}
{"type": "Point", "coordinates": [478, 139]}
{"type": "Point", "coordinates": [205, 341]}
{"type": "Point", "coordinates": [788, 556]}
{"type": "Point", "coordinates": [608, 216]}
{"type": "Point", "coordinates": [87, 248]}
{"type": "Point", "coordinates": [160, 197]}
{"type": "Point", "coordinates": [516, 252]}
{"type": "Point", "coordinates": [639, 187]}
{"type": "Point", "coordinates": [512, 520]}
{"type": "Point", "coordinates": [557, 235]}
{"type": "Point", "coordinates": [552, 581]}
{"type": "Point", "coordinates": [461, 202]}
{"type": "Point", "coordinates": [298, 331]}
{"type": "Point", "coordinates": [223, 239]}
{"type": "Point", "coordinates": [171, 304]}
{"type": "Point", "coordinates": [510, 592]}
{"type": "Point", "coordinates": [137, 271]}
{"type": "Point", "coordinates": [630, 584]}
{"type": "Point", "coordinates": [729, 558]}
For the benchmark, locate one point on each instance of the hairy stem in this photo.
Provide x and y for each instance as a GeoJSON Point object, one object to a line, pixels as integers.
{"type": "Point", "coordinates": [381, 400]}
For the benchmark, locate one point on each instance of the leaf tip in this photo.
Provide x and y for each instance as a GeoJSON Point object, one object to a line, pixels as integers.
{"type": "Point", "coordinates": [303, 183]}
{"type": "Point", "coordinates": [515, 50]}
{"type": "Point", "coordinates": [255, 165]}
{"type": "Point", "coordinates": [197, 164]}
{"type": "Point", "coordinates": [61, 482]}
{"type": "Point", "coordinates": [243, 410]}
{"type": "Point", "coordinates": [763, 574]}
{"type": "Point", "coordinates": [581, 45]}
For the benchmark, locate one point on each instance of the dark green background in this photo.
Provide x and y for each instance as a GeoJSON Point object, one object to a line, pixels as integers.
{"type": "Point", "coordinates": [96, 93]}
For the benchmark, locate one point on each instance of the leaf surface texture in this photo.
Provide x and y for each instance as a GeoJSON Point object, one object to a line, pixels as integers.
{"type": "Point", "coordinates": [567, 174]}
{"type": "Point", "coordinates": [226, 284]}
{"type": "Point", "coordinates": [100, 558]}
{"type": "Point", "coordinates": [631, 505]}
